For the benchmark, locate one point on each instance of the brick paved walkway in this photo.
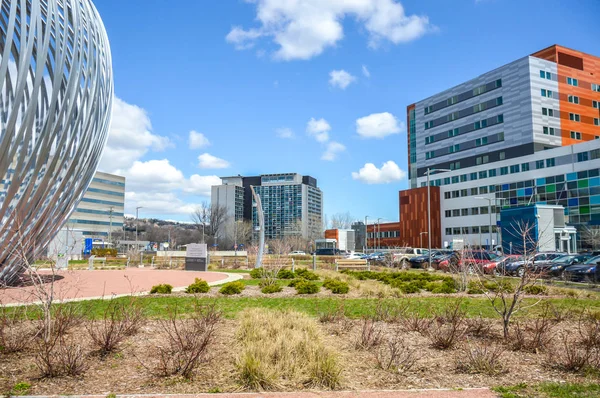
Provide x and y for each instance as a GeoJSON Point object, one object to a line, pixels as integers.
{"type": "Point", "coordinates": [94, 284]}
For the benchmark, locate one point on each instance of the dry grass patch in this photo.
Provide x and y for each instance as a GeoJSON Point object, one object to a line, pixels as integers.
{"type": "Point", "coordinates": [283, 349]}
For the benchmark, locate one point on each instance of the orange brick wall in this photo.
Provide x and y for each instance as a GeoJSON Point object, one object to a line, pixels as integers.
{"type": "Point", "coordinates": [566, 60]}
{"type": "Point", "coordinates": [384, 242]}
{"type": "Point", "coordinates": [413, 216]}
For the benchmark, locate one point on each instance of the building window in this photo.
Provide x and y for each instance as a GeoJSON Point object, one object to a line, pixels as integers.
{"type": "Point", "coordinates": [576, 135]}
{"type": "Point", "coordinates": [501, 155]}
{"type": "Point", "coordinates": [503, 171]}
{"type": "Point", "coordinates": [572, 81]}
{"type": "Point", "coordinates": [549, 130]}
{"type": "Point", "coordinates": [454, 148]}
{"type": "Point", "coordinates": [455, 231]}
{"type": "Point", "coordinates": [473, 191]}
{"type": "Point", "coordinates": [492, 173]}
{"type": "Point", "coordinates": [595, 104]}
{"type": "Point", "coordinates": [500, 118]}
{"type": "Point", "coordinates": [550, 162]}
{"type": "Point", "coordinates": [547, 93]}
{"type": "Point", "coordinates": [464, 192]}
{"type": "Point", "coordinates": [596, 121]}
{"type": "Point", "coordinates": [573, 99]}
{"type": "Point", "coordinates": [483, 190]}
{"type": "Point", "coordinates": [483, 174]}
{"type": "Point", "coordinates": [464, 212]}
{"type": "Point", "coordinates": [428, 140]}
{"type": "Point", "coordinates": [448, 231]}
{"type": "Point", "coordinates": [478, 160]}
{"type": "Point", "coordinates": [525, 167]}
{"type": "Point", "coordinates": [595, 87]}
{"type": "Point", "coordinates": [475, 230]}
{"type": "Point", "coordinates": [545, 75]}
{"type": "Point", "coordinates": [446, 195]}
{"type": "Point", "coordinates": [582, 157]}
{"type": "Point", "coordinates": [539, 164]}
{"type": "Point", "coordinates": [483, 210]}
{"type": "Point", "coordinates": [481, 141]}
{"type": "Point", "coordinates": [473, 176]}
{"type": "Point", "coordinates": [475, 211]}
{"type": "Point", "coordinates": [547, 111]}
{"type": "Point", "coordinates": [456, 213]}
{"type": "Point", "coordinates": [514, 169]}
{"type": "Point", "coordinates": [428, 125]}
{"type": "Point", "coordinates": [463, 178]}
{"type": "Point", "coordinates": [574, 117]}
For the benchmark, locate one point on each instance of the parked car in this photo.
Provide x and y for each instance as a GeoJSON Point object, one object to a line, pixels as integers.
{"type": "Point", "coordinates": [470, 261]}
{"type": "Point", "coordinates": [423, 260]}
{"type": "Point", "coordinates": [589, 271]}
{"type": "Point", "coordinates": [376, 256]}
{"type": "Point", "coordinates": [502, 262]}
{"type": "Point", "coordinates": [297, 253]}
{"type": "Point", "coordinates": [402, 256]}
{"type": "Point", "coordinates": [555, 267]}
{"type": "Point", "coordinates": [328, 252]}
{"type": "Point", "coordinates": [355, 256]}
{"type": "Point", "coordinates": [517, 268]}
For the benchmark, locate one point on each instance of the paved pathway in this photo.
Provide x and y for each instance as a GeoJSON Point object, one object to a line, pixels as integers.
{"type": "Point", "coordinates": [79, 285]}
{"type": "Point", "coordinates": [466, 393]}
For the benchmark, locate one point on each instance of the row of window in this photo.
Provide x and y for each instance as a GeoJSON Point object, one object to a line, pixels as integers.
{"type": "Point", "coordinates": [484, 88]}
{"type": "Point", "coordinates": [478, 125]}
{"type": "Point", "coordinates": [484, 229]}
{"type": "Point", "coordinates": [570, 80]}
{"type": "Point", "coordinates": [103, 212]}
{"type": "Point", "coordinates": [473, 211]}
{"type": "Point", "coordinates": [499, 137]}
{"type": "Point", "coordinates": [106, 192]}
{"type": "Point", "coordinates": [102, 202]}
{"type": "Point", "coordinates": [383, 234]}
{"type": "Point", "coordinates": [466, 112]}
{"type": "Point", "coordinates": [109, 182]}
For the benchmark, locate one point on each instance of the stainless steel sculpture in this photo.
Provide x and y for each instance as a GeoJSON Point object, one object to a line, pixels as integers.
{"type": "Point", "coordinates": [56, 90]}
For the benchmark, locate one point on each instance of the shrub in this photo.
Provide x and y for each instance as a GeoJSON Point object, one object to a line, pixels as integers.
{"type": "Point", "coordinates": [475, 287]}
{"type": "Point", "coordinates": [537, 290]}
{"type": "Point", "coordinates": [445, 288]}
{"type": "Point", "coordinates": [294, 282]}
{"type": "Point", "coordinates": [478, 327]}
{"type": "Point", "coordinates": [409, 288]}
{"type": "Point", "coordinates": [448, 328]}
{"type": "Point", "coordinates": [232, 288]}
{"type": "Point", "coordinates": [199, 286]}
{"type": "Point", "coordinates": [395, 356]}
{"type": "Point", "coordinates": [164, 288]}
{"type": "Point", "coordinates": [371, 335]}
{"type": "Point", "coordinates": [285, 274]}
{"type": "Point", "coordinates": [571, 357]}
{"type": "Point", "coordinates": [415, 322]}
{"type": "Point", "coordinates": [306, 287]}
{"type": "Point", "coordinates": [16, 334]}
{"type": "Point", "coordinates": [271, 288]}
{"type": "Point", "coordinates": [259, 273]}
{"type": "Point", "coordinates": [305, 274]}
{"type": "Point", "coordinates": [336, 287]}
{"type": "Point", "coordinates": [481, 359]}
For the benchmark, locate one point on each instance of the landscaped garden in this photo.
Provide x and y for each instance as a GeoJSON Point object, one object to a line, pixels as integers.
{"type": "Point", "coordinates": [303, 330]}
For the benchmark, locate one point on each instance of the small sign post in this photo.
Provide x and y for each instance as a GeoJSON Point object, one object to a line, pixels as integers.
{"type": "Point", "coordinates": [195, 257]}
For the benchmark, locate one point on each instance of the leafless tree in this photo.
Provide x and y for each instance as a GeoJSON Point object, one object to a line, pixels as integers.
{"type": "Point", "coordinates": [210, 221]}
{"type": "Point", "coordinates": [591, 236]}
{"type": "Point", "coordinates": [341, 221]}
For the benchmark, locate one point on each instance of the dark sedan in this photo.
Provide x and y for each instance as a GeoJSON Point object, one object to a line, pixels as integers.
{"type": "Point", "coordinates": [517, 268]}
{"type": "Point", "coordinates": [586, 272]}
{"type": "Point", "coordinates": [555, 268]}
{"type": "Point", "coordinates": [421, 261]}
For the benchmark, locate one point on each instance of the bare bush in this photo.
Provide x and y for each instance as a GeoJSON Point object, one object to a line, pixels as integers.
{"type": "Point", "coordinates": [570, 355]}
{"type": "Point", "coordinates": [415, 322]}
{"type": "Point", "coordinates": [371, 335]}
{"type": "Point", "coordinates": [588, 327]}
{"type": "Point", "coordinates": [478, 327]}
{"type": "Point", "coordinates": [395, 355]}
{"type": "Point", "coordinates": [16, 333]}
{"type": "Point", "coordinates": [448, 327]}
{"type": "Point", "coordinates": [185, 341]}
{"type": "Point", "coordinates": [482, 359]}
{"type": "Point", "coordinates": [119, 321]}
{"type": "Point", "coordinates": [391, 311]}
{"type": "Point", "coordinates": [536, 335]}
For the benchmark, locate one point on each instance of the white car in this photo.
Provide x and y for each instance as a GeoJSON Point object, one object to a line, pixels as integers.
{"type": "Point", "coordinates": [297, 253]}
{"type": "Point", "coordinates": [355, 256]}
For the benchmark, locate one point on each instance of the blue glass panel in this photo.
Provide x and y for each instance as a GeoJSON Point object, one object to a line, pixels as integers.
{"type": "Point", "coordinates": [566, 211]}
{"type": "Point", "coordinates": [594, 182]}
{"type": "Point", "coordinates": [520, 192]}
{"type": "Point", "coordinates": [595, 200]}
{"type": "Point", "coordinates": [513, 201]}
{"type": "Point", "coordinates": [505, 187]}
{"type": "Point", "coordinates": [540, 181]}
{"type": "Point", "coordinates": [528, 191]}
{"type": "Point", "coordinates": [571, 176]}
{"type": "Point", "coordinates": [574, 202]}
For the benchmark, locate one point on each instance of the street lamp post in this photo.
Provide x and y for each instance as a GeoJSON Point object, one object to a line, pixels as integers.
{"type": "Point", "coordinates": [378, 234]}
{"type": "Point", "coordinates": [366, 235]}
{"type": "Point", "coordinates": [490, 213]}
{"type": "Point", "coordinates": [428, 172]}
{"type": "Point", "coordinates": [136, 227]}
{"type": "Point", "coordinates": [421, 238]}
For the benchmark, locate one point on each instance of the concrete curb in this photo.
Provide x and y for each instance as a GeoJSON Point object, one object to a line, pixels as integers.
{"type": "Point", "coordinates": [230, 278]}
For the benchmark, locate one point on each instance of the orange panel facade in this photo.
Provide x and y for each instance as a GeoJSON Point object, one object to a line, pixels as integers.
{"type": "Point", "coordinates": [577, 73]}
{"type": "Point", "coordinates": [384, 236]}
{"type": "Point", "coordinates": [332, 234]}
{"type": "Point", "coordinates": [413, 217]}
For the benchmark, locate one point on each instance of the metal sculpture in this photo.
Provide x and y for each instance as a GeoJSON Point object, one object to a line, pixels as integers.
{"type": "Point", "coordinates": [56, 90]}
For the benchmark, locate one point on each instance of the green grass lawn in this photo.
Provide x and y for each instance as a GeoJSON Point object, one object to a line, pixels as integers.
{"type": "Point", "coordinates": [158, 306]}
{"type": "Point", "coordinates": [549, 390]}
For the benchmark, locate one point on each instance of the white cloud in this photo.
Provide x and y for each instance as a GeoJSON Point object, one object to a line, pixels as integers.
{"type": "Point", "coordinates": [200, 185]}
{"type": "Point", "coordinates": [208, 161]}
{"type": "Point", "coordinates": [332, 151]}
{"type": "Point", "coordinates": [365, 71]}
{"type": "Point", "coordinates": [340, 78]}
{"type": "Point", "coordinates": [284, 132]}
{"type": "Point", "coordinates": [303, 29]}
{"type": "Point", "coordinates": [378, 125]}
{"type": "Point", "coordinates": [152, 176]}
{"type": "Point", "coordinates": [389, 172]}
{"type": "Point", "coordinates": [197, 140]}
{"type": "Point", "coordinates": [130, 137]}
{"type": "Point", "coordinates": [318, 129]}
{"type": "Point", "coordinates": [161, 203]}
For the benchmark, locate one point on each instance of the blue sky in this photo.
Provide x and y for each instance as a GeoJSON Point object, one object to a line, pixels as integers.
{"type": "Point", "coordinates": [225, 79]}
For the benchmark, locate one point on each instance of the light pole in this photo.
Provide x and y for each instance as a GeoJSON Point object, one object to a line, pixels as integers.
{"type": "Point", "coordinates": [378, 234]}
{"type": "Point", "coordinates": [366, 235]}
{"type": "Point", "coordinates": [137, 247]}
{"type": "Point", "coordinates": [428, 172]}
{"type": "Point", "coordinates": [421, 238]}
{"type": "Point", "coordinates": [490, 212]}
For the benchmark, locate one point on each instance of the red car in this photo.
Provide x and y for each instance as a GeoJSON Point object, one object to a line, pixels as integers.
{"type": "Point", "coordinates": [471, 261]}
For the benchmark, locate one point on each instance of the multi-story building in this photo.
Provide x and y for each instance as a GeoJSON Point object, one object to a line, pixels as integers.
{"type": "Point", "coordinates": [524, 133]}
{"type": "Point", "coordinates": [101, 210]}
{"type": "Point", "coordinates": [230, 196]}
{"type": "Point", "coordinates": [292, 203]}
